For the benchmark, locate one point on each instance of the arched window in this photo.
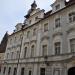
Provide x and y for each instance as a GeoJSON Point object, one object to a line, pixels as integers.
{"type": "Point", "coordinates": [71, 71]}
{"type": "Point", "coordinates": [32, 50]}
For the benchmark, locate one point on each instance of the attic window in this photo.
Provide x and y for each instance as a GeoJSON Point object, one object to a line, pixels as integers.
{"type": "Point", "coordinates": [29, 21]}
{"type": "Point", "coordinates": [36, 18]}
{"type": "Point", "coordinates": [57, 6]}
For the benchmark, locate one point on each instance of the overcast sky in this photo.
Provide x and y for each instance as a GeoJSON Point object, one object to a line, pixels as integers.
{"type": "Point", "coordinates": [13, 12]}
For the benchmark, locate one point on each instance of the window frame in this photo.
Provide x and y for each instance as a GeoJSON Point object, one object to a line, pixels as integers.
{"type": "Point", "coordinates": [57, 47]}
{"type": "Point", "coordinates": [22, 71]}
{"type": "Point", "coordinates": [32, 50]}
{"type": "Point", "coordinates": [25, 51]}
{"type": "Point", "coordinates": [44, 49]}
{"type": "Point", "coordinates": [72, 44]}
{"type": "Point", "coordinates": [72, 17]}
{"type": "Point", "coordinates": [57, 7]}
{"type": "Point", "coordinates": [57, 23]}
{"type": "Point", "coordinates": [46, 27]}
{"type": "Point", "coordinates": [42, 72]}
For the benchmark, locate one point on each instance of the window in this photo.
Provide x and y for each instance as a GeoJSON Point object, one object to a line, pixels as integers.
{"type": "Point", "coordinates": [42, 71]}
{"type": "Point", "coordinates": [32, 50]}
{"type": "Point", "coordinates": [34, 32]}
{"type": "Point", "coordinates": [9, 71]}
{"type": "Point", "coordinates": [17, 54]}
{"type": "Point", "coordinates": [15, 71]}
{"type": "Point", "coordinates": [0, 69]}
{"type": "Point", "coordinates": [22, 71]}
{"type": "Point", "coordinates": [44, 47]}
{"type": "Point", "coordinates": [7, 55]}
{"type": "Point", "coordinates": [30, 72]}
{"type": "Point", "coordinates": [25, 51]}
{"type": "Point", "coordinates": [72, 17]}
{"type": "Point", "coordinates": [57, 48]}
{"type": "Point", "coordinates": [57, 23]}
{"type": "Point", "coordinates": [45, 27]}
{"type": "Point", "coordinates": [56, 72]}
{"type": "Point", "coordinates": [10, 41]}
{"type": "Point", "coordinates": [28, 34]}
{"type": "Point", "coordinates": [4, 70]}
{"type": "Point", "coordinates": [12, 55]}
{"type": "Point", "coordinates": [57, 6]}
{"type": "Point", "coordinates": [36, 18]}
{"type": "Point", "coordinates": [15, 40]}
{"type": "Point", "coordinates": [29, 21]}
{"type": "Point", "coordinates": [72, 45]}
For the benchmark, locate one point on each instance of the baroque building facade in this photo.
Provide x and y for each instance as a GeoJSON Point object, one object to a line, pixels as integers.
{"type": "Point", "coordinates": [44, 44]}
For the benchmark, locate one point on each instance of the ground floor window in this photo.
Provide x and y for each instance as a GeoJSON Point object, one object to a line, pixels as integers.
{"type": "Point", "coordinates": [15, 71]}
{"type": "Point", "coordinates": [71, 71]}
{"type": "Point", "coordinates": [42, 71]}
{"type": "Point", "coordinates": [4, 70]}
{"type": "Point", "coordinates": [56, 72]}
{"type": "Point", "coordinates": [30, 72]}
{"type": "Point", "coordinates": [9, 71]}
{"type": "Point", "coordinates": [22, 71]}
{"type": "Point", "coordinates": [0, 69]}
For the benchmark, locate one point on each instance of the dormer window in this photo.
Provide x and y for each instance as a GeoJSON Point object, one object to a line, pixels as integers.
{"type": "Point", "coordinates": [29, 21]}
{"type": "Point", "coordinates": [57, 7]}
{"type": "Point", "coordinates": [36, 18]}
{"type": "Point", "coordinates": [45, 27]}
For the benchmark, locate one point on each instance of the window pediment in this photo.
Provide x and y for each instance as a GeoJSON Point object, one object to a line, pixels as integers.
{"type": "Point", "coordinates": [45, 37]}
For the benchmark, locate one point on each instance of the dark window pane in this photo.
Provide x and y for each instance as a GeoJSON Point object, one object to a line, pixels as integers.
{"type": "Point", "coordinates": [22, 71]}
{"type": "Point", "coordinates": [42, 71]}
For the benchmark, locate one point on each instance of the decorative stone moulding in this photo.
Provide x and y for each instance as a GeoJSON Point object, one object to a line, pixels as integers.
{"type": "Point", "coordinates": [57, 33]}
{"type": "Point", "coordinates": [45, 37]}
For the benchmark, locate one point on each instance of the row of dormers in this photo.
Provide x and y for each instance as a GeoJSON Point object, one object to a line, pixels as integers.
{"type": "Point", "coordinates": [35, 14]}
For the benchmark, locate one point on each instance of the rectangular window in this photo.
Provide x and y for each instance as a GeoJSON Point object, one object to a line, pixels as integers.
{"type": "Point", "coordinates": [72, 17]}
{"type": "Point", "coordinates": [32, 50]}
{"type": "Point", "coordinates": [56, 72]}
{"type": "Point", "coordinates": [7, 55]}
{"type": "Point", "coordinates": [12, 55]}
{"type": "Point", "coordinates": [25, 52]}
{"type": "Point", "coordinates": [36, 18]}
{"type": "Point", "coordinates": [10, 41]}
{"type": "Point", "coordinates": [42, 71]}
{"type": "Point", "coordinates": [57, 6]}
{"type": "Point", "coordinates": [22, 71]}
{"type": "Point", "coordinates": [57, 48]}
{"type": "Point", "coordinates": [28, 34]}
{"type": "Point", "coordinates": [29, 21]}
{"type": "Point", "coordinates": [45, 27]}
{"type": "Point", "coordinates": [57, 22]}
{"type": "Point", "coordinates": [44, 47]}
{"type": "Point", "coordinates": [17, 54]}
{"type": "Point", "coordinates": [34, 32]}
{"type": "Point", "coordinates": [4, 70]}
{"type": "Point", "coordinates": [15, 71]}
{"type": "Point", "coordinates": [72, 45]}
{"type": "Point", "coordinates": [0, 69]}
